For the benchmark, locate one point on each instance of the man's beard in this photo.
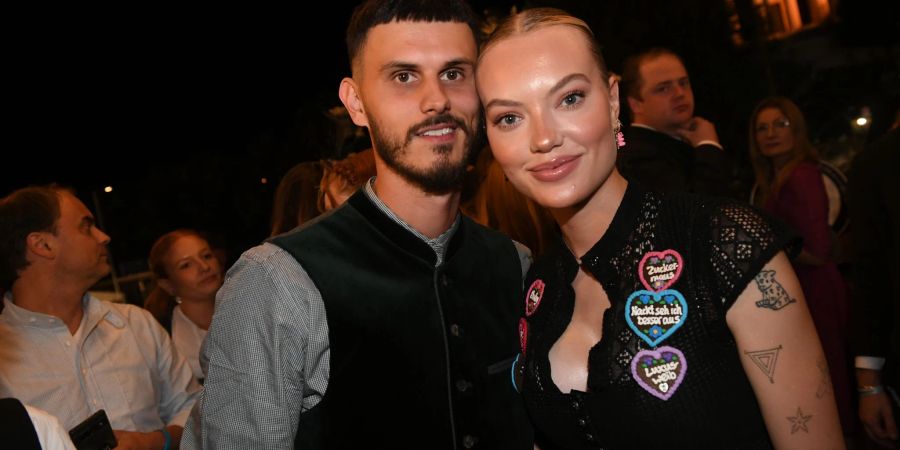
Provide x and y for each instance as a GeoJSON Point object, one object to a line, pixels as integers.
{"type": "Point", "coordinates": [444, 176]}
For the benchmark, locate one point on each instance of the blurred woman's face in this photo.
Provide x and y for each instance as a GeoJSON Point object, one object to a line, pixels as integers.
{"type": "Point", "coordinates": [774, 136]}
{"type": "Point", "coordinates": [193, 270]}
{"type": "Point", "coordinates": [549, 115]}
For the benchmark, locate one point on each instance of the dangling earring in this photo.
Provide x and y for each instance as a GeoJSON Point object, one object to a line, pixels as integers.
{"type": "Point", "coordinates": [620, 138]}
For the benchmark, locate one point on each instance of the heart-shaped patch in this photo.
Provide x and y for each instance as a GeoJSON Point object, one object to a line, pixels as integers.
{"type": "Point", "coordinates": [659, 371]}
{"type": "Point", "coordinates": [659, 270]}
{"type": "Point", "coordinates": [654, 316]}
{"type": "Point", "coordinates": [533, 297]}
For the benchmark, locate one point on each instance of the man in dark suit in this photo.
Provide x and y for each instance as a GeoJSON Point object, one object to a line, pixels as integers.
{"type": "Point", "coordinates": [667, 147]}
{"type": "Point", "coordinates": [875, 211]}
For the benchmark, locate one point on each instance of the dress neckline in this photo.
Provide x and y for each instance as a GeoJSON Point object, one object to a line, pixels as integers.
{"type": "Point", "coordinates": [622, 224]}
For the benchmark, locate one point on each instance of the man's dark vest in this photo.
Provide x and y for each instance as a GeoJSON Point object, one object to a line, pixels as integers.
{"type": "Point", "coordinates": [417, 351]}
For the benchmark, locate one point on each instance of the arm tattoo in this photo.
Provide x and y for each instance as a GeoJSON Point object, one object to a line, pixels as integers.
{"type": "Point", "coordinates": [799, 422]}
{"type": "Point", "coordinates": [774, 296]}
{"type": "Point", "coordinates": [825, 382]}
{"type": "Point", "coordinates": [765, 360]}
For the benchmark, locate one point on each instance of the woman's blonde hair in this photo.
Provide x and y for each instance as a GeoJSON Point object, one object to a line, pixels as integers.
{"type": "Point", "coordinates": [537, 18]}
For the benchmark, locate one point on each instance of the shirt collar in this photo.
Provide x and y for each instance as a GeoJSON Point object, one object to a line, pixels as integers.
{"type": "Point", "coordinates": [439, 244]}
{"type": "Point", "coordinates": [94, 311]}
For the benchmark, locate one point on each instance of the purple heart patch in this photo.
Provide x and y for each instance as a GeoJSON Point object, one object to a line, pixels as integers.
{"type": "Point", "coordinates": [659, 371]}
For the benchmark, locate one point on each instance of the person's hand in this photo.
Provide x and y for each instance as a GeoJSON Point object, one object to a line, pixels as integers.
{"type": "Point", "coordinates": [135, 440]}
{"type": "Point", "coordinates": [878, 419]}
{"type": "Point", "coordinates": [698, 130]}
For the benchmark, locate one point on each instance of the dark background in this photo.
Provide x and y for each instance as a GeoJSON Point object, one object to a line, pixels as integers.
{"type": "Point", "coordinates": [184, 111]}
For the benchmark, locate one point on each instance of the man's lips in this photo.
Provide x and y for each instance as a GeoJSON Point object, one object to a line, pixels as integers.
{"type": "Point", "coordinates": [437, 130]}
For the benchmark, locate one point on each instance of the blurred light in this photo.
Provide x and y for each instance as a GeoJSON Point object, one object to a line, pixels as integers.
{"type": "Point", "coordinates": [263, 180]}
{"type": "Point", "coordinates": [107, 189]}
{"type": "Point", "coordinates": [862, 121]}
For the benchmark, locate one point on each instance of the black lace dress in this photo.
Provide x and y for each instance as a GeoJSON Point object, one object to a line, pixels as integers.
{"type": "Point", "coordinates": [666, 373]}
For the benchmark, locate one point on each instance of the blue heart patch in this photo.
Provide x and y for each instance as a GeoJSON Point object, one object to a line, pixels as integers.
{"type": "Point", "coordinates": [654, 316]}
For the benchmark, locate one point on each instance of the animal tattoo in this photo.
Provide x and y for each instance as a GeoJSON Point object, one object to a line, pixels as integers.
{"type": "Point", "coordinates": [774, 295]}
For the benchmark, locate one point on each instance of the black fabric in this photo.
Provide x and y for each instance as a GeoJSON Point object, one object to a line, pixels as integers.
{"type": "Point", "coordinates": [411, 342]}
{"type": "Point", "coordinates": [875, 230]}
{"type": "Point", "coordinates": [723, 245]}
{"type": "Point", "coordinates": [16, 429]}
{"type": "Point", "coordinates": [661, 163]}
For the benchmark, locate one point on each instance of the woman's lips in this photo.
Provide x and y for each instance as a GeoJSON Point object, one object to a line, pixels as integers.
{"type": "Point", "coordinates": [556, 169]}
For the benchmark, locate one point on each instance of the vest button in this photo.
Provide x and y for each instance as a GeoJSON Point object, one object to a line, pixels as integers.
{"type": "Point", "coordinates": [463, 385]}
{"type": "Point", "coordinates": [582, 423]}
{"type": "Point", "coordinates": [469, 441]}
{"type": "Point", "coordinates": [454, 330]}
{"type": "Point", "coordinates": [589, 437]}
{"type": "Point", "coordinates": [444, 280]}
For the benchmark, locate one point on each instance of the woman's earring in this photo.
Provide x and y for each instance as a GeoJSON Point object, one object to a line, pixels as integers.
{"type": "Point", "coordinates": [620, 138]}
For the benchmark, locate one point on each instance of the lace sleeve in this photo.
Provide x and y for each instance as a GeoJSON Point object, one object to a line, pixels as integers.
{"type": "Point", "coordinates": [741, 240]}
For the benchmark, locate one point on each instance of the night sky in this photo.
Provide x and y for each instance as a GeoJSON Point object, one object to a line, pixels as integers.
{"type": "Point", "coordinates": [185, 110]}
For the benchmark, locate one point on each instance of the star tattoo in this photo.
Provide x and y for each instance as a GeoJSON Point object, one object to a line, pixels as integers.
{"type": "Point", "coordinates": [798, 422]}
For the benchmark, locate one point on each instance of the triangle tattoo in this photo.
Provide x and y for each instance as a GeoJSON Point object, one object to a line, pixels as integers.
{"type": "Point", "coordinates": [765, 360]}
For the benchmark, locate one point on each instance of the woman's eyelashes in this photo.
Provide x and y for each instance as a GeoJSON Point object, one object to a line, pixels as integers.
{"type": "Point", "coordinates": [506, 120]}
{"type": "Point", "coordinates": [572, 99]}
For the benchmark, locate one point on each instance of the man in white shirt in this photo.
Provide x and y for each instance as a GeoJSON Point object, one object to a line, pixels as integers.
{"type": "Point", "coordinates": [69, 353]}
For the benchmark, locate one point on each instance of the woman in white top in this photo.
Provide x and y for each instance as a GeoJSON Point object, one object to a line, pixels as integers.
{"type": "Point", "coordinates": [187, 275]}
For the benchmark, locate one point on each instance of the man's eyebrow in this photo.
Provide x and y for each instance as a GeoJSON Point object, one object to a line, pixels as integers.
{"type": "Point", "coordinates": [394, 66]}
{"type": "Point", "coordinates": [459, 62]}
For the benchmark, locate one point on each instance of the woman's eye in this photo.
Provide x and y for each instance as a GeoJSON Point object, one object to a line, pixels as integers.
{"type": "Point", "coordinates": [572, 98]}
{"type": "Point", "coordinates": [506, 120]}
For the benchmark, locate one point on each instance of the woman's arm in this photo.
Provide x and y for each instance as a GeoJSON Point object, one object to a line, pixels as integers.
{"type": "Point", "coordinates": [784, 362]}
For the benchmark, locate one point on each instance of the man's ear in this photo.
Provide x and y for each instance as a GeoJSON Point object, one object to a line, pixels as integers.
{"type": "Point", "coordinates": [166, 285]}
{"type": "Point", "coordinates": [349, 95]}
{"type": "Point", "coordinates": [41, 244]}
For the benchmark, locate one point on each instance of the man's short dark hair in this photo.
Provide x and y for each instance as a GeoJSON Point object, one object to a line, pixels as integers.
{"type": "Point", "coordinates": [25, 211]}
{"type": "Point", "coordinates": [377, 12]}
{"type": "Point", "coordinates": [632, 83]}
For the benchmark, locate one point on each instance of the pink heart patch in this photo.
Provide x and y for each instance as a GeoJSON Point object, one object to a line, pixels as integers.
{"type": "Point", "coordinates": [533, 297]}
{"type": "Point", "coordinates": [659, 270]}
